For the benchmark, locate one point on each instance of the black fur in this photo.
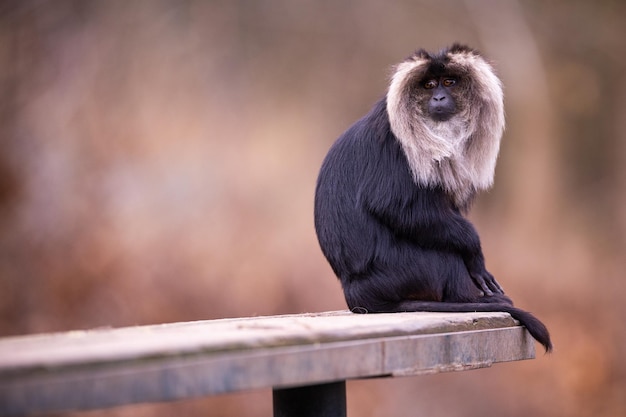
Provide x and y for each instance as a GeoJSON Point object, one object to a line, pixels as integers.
{"type": "Point", "coordinates": [394, 245]}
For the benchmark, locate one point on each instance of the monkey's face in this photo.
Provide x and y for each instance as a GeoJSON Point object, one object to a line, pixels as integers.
{"type": "Point", "coordinates": [441, 92]}
{"type": "Point", "coordinates": [439, 100]}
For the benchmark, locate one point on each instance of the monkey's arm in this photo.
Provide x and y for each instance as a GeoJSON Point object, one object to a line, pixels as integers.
{"type": "Point", "coordinates": [422, 215]}
{"type": "Point", "coordinates": [426, 217]}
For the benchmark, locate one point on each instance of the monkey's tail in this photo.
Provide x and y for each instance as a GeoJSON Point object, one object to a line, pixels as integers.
{"type": "Point", "coordinates": [534, 326]}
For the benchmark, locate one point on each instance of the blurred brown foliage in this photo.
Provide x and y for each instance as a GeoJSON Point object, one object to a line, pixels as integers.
{"type": "Point", "coordinates": [159, 161]}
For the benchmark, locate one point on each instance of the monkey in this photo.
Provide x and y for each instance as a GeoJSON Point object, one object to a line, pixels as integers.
{"type": "Point", "coordinates": [393, 191]}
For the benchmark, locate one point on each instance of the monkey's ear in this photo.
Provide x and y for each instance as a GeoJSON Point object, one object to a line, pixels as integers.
{"type": "Point", "coordinates": [456, 48]}
{"type": "Point", "coordinates": [420, 54]}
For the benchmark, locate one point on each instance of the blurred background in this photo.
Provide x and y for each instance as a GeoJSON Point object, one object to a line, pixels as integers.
{"type": "Point", "coordinates": [159, 160]}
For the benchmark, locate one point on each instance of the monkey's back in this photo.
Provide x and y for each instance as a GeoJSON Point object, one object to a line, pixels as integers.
{"type": "Point", "coordinates": [343, 230]}
{"type": "Point", "coordinates": [365, 173]}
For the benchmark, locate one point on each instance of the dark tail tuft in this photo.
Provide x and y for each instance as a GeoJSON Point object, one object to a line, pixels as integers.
{"type": "Point", "coordinates": [535, 327]}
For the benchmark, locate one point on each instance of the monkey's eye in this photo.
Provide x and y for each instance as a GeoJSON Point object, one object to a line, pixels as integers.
{"type": "Point", "coordinates": [449, 82]}
{"type": "Point", "coordinates": [430, 84]}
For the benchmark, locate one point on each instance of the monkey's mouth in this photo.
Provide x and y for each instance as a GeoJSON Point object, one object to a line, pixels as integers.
{"type": "Point", "coordinates": [441, 114]}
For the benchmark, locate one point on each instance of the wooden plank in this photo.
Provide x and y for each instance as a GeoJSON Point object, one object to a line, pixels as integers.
{"type": "Point", "coordinates": [103, 368]}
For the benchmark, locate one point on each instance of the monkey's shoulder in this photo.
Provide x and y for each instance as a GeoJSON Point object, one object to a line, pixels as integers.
{"type": "Point", "coordinates": [370, 141]}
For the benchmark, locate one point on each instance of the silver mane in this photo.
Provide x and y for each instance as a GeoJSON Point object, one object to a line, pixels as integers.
{"type": "Point", "coordinates": [459, 154]}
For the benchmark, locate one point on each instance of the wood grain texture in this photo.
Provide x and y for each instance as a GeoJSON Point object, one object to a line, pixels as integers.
{"type": "Point", "coordinates": [108, 367]}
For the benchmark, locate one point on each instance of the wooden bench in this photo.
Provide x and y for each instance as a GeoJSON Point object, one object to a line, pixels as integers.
{"type": "Point", "coordinates": [305, 358]}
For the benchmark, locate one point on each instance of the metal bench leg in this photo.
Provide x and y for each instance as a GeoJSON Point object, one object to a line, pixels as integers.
{"type": "Point", "coordinates": [324, 400]}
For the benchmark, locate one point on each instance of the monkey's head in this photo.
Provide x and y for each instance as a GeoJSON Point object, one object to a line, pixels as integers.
{"type": "Point", "coordinates": [446, 110]}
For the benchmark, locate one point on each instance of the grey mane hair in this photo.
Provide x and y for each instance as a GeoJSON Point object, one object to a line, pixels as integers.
{"type": "Point", "coordinates": [460, 154]}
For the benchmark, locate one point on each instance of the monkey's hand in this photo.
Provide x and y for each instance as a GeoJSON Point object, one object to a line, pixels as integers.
{"type": "Point", "coordinates": [482, 278]}
{"type": "Point", "coordinates": [487, 283]}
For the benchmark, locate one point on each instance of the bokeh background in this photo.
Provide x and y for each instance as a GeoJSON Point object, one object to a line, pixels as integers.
{"type": "Point", "coordinates": [159, 160]}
